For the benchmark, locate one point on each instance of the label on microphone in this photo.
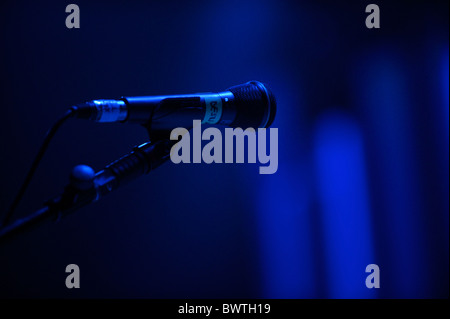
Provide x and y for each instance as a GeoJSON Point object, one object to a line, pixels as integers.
{"type": "Point", "coordinates": [110, 110]}
{"type": "Point", "coordinates": [213, 111]}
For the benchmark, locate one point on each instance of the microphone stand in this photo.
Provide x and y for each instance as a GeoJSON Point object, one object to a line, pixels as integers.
{"type": "Point", "coordinates": [86, 186]}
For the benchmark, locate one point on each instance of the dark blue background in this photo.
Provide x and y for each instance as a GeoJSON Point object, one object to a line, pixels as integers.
{"type": "Point", "coordinates": [363, 150]}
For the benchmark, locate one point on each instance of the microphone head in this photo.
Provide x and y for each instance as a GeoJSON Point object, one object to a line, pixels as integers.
{"type": "Point", "coordinates": [255, 105]}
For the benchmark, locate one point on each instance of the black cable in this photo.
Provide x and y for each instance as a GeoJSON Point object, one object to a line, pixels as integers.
{"type": "Point", "coordinates": [48, 137]}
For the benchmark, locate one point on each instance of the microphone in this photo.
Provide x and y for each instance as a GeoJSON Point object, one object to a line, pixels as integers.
{"type": "Point", "coordinates": [250, 104]}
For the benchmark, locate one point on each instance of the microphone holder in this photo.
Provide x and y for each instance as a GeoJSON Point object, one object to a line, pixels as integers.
{"type": "Point", "coordinates": [86, 186]}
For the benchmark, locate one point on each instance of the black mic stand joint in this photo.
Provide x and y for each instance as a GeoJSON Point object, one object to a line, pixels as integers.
{"type": "Point", "coordinates": [86, 186]}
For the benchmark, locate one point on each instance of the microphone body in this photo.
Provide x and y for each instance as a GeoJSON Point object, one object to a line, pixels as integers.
{"type": "Point", "coordinates": [246, 105]}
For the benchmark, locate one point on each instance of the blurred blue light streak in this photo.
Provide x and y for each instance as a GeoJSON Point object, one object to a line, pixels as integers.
{"type": "Point", "coordinates": [344, 203]}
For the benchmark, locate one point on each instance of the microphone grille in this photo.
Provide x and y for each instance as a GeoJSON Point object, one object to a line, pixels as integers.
{"type": "Point", "coordinates": [255, 105]}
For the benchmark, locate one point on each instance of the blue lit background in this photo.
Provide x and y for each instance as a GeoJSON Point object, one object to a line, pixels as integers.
{"type": "Point", "coordinates": [363, 120]}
